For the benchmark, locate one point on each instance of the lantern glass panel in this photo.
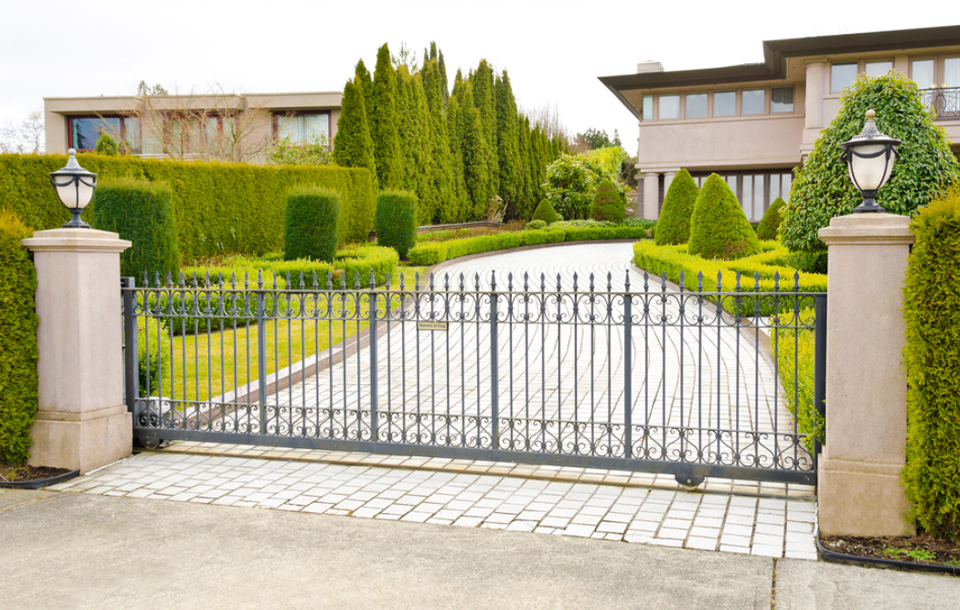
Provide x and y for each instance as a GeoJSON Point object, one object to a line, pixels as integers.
{"type": "Point", "coordinates": [869, 173]}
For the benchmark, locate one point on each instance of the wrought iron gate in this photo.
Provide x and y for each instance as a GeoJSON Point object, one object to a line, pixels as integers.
{"type": "Point", "coordinates": [526, 370]}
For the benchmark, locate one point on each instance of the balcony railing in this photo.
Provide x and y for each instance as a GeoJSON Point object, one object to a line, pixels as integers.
{"type": "Point", "coordinates": [944, 102]}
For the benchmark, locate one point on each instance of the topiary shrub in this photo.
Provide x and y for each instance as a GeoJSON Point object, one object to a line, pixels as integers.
{"type": "Point", "coordinates": [310, 224]}
{"type": "Point", "coordinates": [718, 226]}
{"type": "Point", "coordinates": [823, 189]}
{"type": "Point", "coordinates": [770, 223]}
{"type": "Point", "coordinates": [546, 213]}
{"type": "Point", "coordinates": [607, 203]}
{"type": "Point", "coordinates": [673, 226]}
{"type": "Point", "coordinates": [141, 212]}
{"type": "Point", "coordinates": [397, 221]}
{"type": "Point", "coordinates": [931, 310]}
{"type": "Point", "coordinates": [535, 225]}
{"type": "Point", "coordinates": [18, 341]}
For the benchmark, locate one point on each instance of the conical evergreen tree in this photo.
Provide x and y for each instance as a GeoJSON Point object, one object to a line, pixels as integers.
{"type": "Point", "coordinates": [461, 197]}
{"type": "Point", "coordinates": [443, 78]}
{"type": "Point", "coordinates": [364, 75]}
{"type": "Point", "coordinates": [473, 150]}
{"type": "Point", "coordinates": [508, 146]}
{"type": "Point", "coordinates": [526, 203]}
{"type": "Point", "coordinates": [385, 125]}
{"type": "Point", "coordinates": [484, 100]}
{"type": "Point", "coordinates": [353, 146]}
{"type": "Point", "coordinates": [413, 136]}
{"type": "Point", "coordinates": [439, 145]}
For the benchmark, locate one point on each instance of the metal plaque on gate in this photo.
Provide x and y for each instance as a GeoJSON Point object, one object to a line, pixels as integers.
{"type": "Point", "coordinates": [431, 325]}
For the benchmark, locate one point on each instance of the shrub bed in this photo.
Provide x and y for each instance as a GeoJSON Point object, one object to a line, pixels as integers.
{"type": "Point", "coordinates": [310, 224]}
{"type": "Point", "coordinates": [397, 221]}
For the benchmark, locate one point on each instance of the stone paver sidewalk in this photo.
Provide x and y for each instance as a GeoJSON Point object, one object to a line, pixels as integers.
{"type": "Point", "coordinates": [772, 527]}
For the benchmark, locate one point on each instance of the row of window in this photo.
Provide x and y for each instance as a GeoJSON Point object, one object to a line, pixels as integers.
{"type": "Point", "coordinates": [193, 133]}
{"type": "Point", "coordinates": [720, 103]}
{"type": "Point", "coordinates": [756, 191]}
{"type": "Point", "coordinates": [928, 73]}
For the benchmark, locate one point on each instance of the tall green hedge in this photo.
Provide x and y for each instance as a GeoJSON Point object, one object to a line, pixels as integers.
{"type": "Point", "coordinates": [219, 208]}
{"type": "Point", "coordinates": [141, 212]}
{"type": "Point", "coordinates": [931, 358]}
{"type": "Point", "coordinates": [673, 226]}
{"type": "Point", "coordinates": [397, 221]}
{"type": "Point", "coordinates": [18, 341]}
{"type": "Point", "coordinates": [718, 226]}
{"type": "Point", "coordinates": [310, 226]}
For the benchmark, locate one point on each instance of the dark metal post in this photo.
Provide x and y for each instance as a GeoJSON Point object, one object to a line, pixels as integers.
{"type": "Point", "coordinates": [494, 371]}
{"type": "Point", "coordinates": [820, 358]}
{"type": "Point", "coordinates": [373, 359]}
{"type": "Point", "coordinates": [627, 372]}
{"type": "Point", "coordinates": [131, 355]}
{"type": "Point", "coordinates": [262, 354]}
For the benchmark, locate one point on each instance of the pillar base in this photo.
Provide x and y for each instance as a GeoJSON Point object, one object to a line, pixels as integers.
{"type": "Point", "coordinates": [861, 499]}
{"type": "Point", "coordinates": [87, 442]}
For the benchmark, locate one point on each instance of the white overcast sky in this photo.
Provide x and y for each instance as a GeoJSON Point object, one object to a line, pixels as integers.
{"type": "Point", "coordinates": [554, 50]}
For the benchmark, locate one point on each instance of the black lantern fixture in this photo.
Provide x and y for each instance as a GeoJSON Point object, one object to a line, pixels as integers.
{"type": "Point", "coordinates": [74, 186]}
{"type": "Point", "coordinates": [870, 157]}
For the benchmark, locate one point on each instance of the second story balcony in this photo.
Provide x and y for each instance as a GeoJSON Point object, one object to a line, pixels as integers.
{"type": "Point", "coordinates": [945, 102]}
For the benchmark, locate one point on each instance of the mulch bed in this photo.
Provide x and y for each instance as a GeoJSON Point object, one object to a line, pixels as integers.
{"type": "Point", "coordinates": [28, 473]}
{"type": "Point", "coordinates": [920, 549]}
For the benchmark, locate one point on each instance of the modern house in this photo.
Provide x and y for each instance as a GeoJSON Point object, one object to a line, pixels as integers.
{"type": "Point", "coordinates": [755, 123]}
{"type": "Point", "coordinates": [216, 126]}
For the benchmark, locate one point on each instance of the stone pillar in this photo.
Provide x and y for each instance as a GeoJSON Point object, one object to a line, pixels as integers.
{"type": "Point", "coordinates": [859, 490]}
{"type": "Point", "coordinates": [816, 88]}
{"type": "Point", "coordinates": [667, 179]}
{"type": "Point", "coordinates": [651, 196]}
{"type": "Point", "coordinates": [81, 421]}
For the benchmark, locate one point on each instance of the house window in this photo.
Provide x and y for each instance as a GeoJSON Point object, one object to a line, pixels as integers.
{"type": "Point", "coordinates": [198, 134]}
{"type": "Point", "coordinates": [752, 102]}
{"type": "Point", "coordinates": [647, 107]}
{"type": "Point", "coordinates": [669, 107]}
{"type": "Point", "coordinates": [725, 103]}
{"type": "Point", "coordinates": [696, 105]}
{"type": "Point", "coordinates": [878, 68]}
{"type": "Point", "coordinates": [842, 75]}
{"type": "Point", "coordinates": [84, 131]}
{"type": "Point", "coordinates": [921, 71]}
{"type": "Point", "coordinates": [780, 186]}
{"type": "Point", "coordinates": [304, 128]}
{"type": "Point", "coordinates": [781, 99]}
{"type": "Point", "coordinates": [951, 72]}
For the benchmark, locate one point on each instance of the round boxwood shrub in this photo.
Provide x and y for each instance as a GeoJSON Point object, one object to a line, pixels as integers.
{"type": "Point", "coordinates": [823, 189]}
{"type": "Point", "coordinates": [770, 223]}
{"type": "Point", "coordinates": [141, 212]}
{"type": "Point", "coordinates": [545, 212]}
{"type": "Point", "coordinates": [718, 226]}
{"type": "Point", "coordinates": [673, 226]}
{"type": "Point", "coordinates": [397, 221]}
{"type": "Point", "coordinates": [310, 224]}
{"type": "Point", "coordinates": [536, 224]}
{"type": "Point", "coordinates": [607, 203]}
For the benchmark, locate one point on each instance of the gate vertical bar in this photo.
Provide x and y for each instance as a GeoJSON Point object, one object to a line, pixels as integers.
{"type": "Point", "coordinates": [627, 371]}
{"type": "Point", "coordinates": [494, 368]}
{"type": "Point", "coordinates": [261, 354]}
{"type": "Point", "coordinates": [373, 358]}
{"type": "Point", "coordinates": [820, 360]}
{"type": "Point", "coordinates": [131, 352]}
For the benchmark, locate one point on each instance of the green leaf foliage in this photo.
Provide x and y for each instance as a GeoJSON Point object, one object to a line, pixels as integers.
{"type": "Point", "coordinates": [107, 145]}
{"type": "Point", "coordinates": [718, 226]}
{"type": "Point", "coordinates": [397, 221]}
{"type": "Point", "coordinates": [931, 358]}
{"type": "Point", "coordinates": [570, 184]}
{"type": "Point", "coordinates": [142, 213]}
{"type": "Point", "coordinates": [823, 189]}
{"type": "Point", "coordinates": [770, 223]}
{"type": "Point", "coordinates": [219, 208]}
{"type": "Point", "coordinates": [353, 146]}
{"type": "Point", "coordinates": [385, 123]}
{"type": "Point", "coordinates": [415, 134]}
{"type": "Point", "coordinates": [310, 224]}
{"type": "Point", "coordinates": [546, 213]}
{"type": "Point", "coordinates": [608, 203]}
{"type": "Point", "coordinates": [508, 149]}
{"type": "Point", "coordinates": [673, 226]}
{"type": "Point", "coordinates": [18, 341]}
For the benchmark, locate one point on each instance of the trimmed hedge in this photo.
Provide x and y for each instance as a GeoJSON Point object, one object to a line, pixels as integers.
{"type": "Point", "coordinates": [795, 355]}
{"type": "Point", "coordinates": [718, 226]}
{"type": "Point", "coordinates": [431, 253]}
{"type": "Point", "coordinates": [18, 341]}
{"type": "Point", "coordinates": [607, 204]}
{"type": "Point", "coordinates": [141, 212]}
{"type": "Point", "coordinates": [770, 223]}
{"type": "Point", "coordinates": [219, 208]}
{"type": "Point", "coordinates": [310, 224]}
{"type": "Point", "coordinates": [546, 213]}
{"type": "Point", "coordinates": [931, 477]}
{"type": "Point", "coordinates": [673, 226]}
{"type": "Point", "coordinates": [397, 221]}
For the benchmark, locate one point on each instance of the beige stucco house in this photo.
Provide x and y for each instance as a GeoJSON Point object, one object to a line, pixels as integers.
{"type": "Point", "coordinates": [214, 125]}
{"type": "Point", "coordinates": [754, 123]}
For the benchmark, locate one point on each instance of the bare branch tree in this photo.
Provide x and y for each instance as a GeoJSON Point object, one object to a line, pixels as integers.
{"type": "Point", "coordinates": [548, 118]}
{"type": "Point", "coordinates": [24, 137]}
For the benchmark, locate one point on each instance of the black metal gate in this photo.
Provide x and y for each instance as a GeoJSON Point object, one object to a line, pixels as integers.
{"type": "Point", "coordinates": [527, 370]}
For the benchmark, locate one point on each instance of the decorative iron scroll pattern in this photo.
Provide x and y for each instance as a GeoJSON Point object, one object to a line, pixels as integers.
{"type": "Point", "coordinates": [944, 102]}
{"type": "Point", "coordinates": [525, 366]}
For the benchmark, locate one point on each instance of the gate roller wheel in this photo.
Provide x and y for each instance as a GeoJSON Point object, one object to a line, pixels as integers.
{"type": "Point", "coordinates": [152, 444]}
{"type": "Point", "coordinates": [688, 480]}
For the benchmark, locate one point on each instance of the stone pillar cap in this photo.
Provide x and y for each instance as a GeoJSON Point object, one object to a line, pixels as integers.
{"type": "Point", "coordinates": [76, 240]}
{"type": "Point", "coordinates": [868, 229]}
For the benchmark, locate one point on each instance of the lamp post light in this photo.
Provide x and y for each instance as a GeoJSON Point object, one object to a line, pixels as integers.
{"type": "Point", "coordinates": [870, 157]}
{"type": "Point", "coordinates": [74, 186]}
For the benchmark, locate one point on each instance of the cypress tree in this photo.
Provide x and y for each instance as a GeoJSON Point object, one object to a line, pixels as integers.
{"type": "Point", "coordinates": [484, 100]}
{"type": "Point", "coordinates": [473, 150]}
{"type": "Point", "coordinates": [443, 79]}
{"type": "Point", "coordinates": [441, 176]}
{"type": "Point", "coordinates": [461, 197]}
{"type": "Point", "coordinates": [384, 126]}
{"type": "Point", "coordinates": [353, 146]}
{"type": "Point", "coordinates": [367, 82]}
{"type": "Point", "coordinates": [508, 146]}
{"type": "Point", "coordinates": [525, 207]}
{"type": "Point", "coordinates": [411, 105]}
